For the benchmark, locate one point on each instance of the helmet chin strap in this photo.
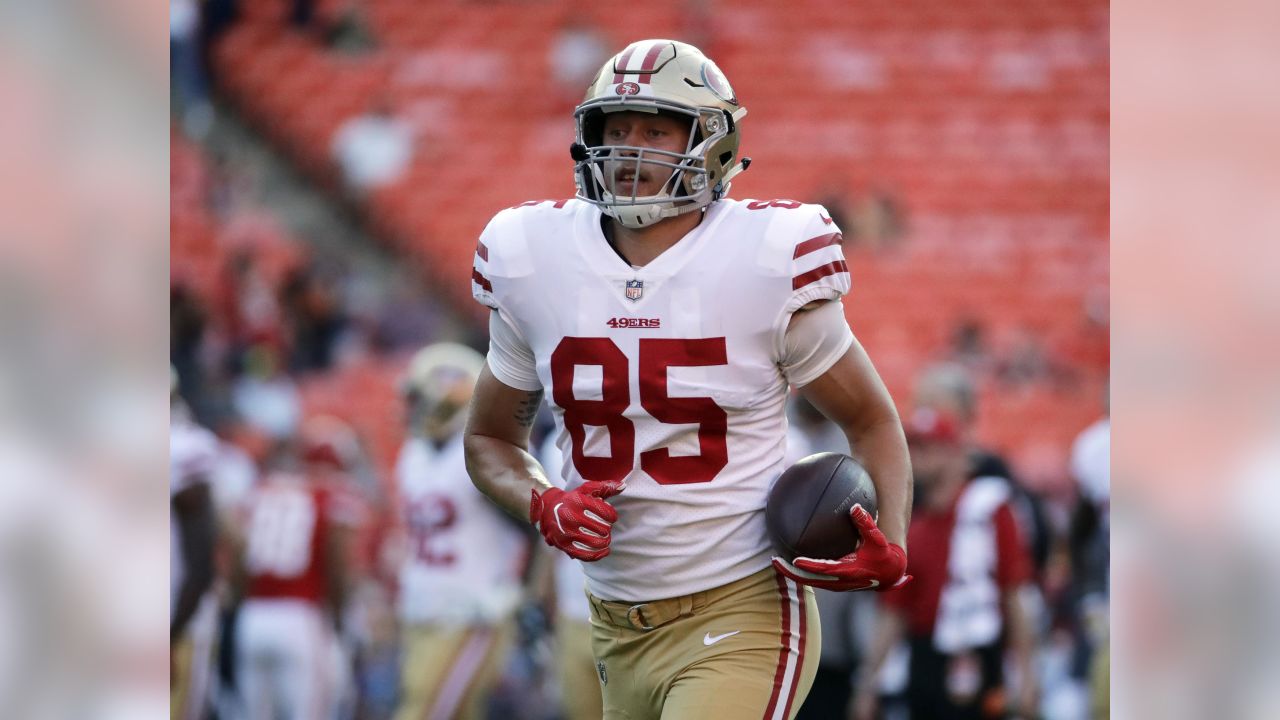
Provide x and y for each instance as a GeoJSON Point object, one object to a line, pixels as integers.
{"type": "Point", "coordinates": [637, 216]}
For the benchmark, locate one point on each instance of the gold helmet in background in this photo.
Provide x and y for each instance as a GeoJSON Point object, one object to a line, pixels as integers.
{"type": "Point", "coordinates": [438, 386]}
{"type": "Point", "coordinates": [674, 78]}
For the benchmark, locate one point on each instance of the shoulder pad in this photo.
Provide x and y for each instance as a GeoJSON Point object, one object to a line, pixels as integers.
{"type": "Point", "coordinates": [804, 244]}
{"type": "Point", "coordinates": [503, 249]}
{"type": "Point", "coordinates": [794, 230]}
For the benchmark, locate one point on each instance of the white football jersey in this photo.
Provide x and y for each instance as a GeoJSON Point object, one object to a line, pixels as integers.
{"type": "Point", "coordinates": [465, 557]}
{"type": "Point", "coordinates": [666, 376]}
{"type": "Point", "coordinates": [193, 452]}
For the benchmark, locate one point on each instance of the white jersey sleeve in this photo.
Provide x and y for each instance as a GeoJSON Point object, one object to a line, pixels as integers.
{"type": "Point", "coordinates": [502, 255]}
{"type": "Point", "coordinates": [808, 244]}
{"type": "Point", "coordinates": [510, 358]}
{"type": "Point", "coordinates": [502, 258]}
{"type": "Point", "coordinates": [818, 267]}
{"type": "Point", "coordinates": [814, 341]}
{"type": "Point", "coordinates": [481, 274]}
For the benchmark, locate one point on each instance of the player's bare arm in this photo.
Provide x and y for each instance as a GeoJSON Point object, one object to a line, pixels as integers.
{"type": "Point", "coordinates": [497, 444]}
{"type": "Point", "coordinates": [496, 441]}
{"type": "Point", "coordinates": [528, 409]}
{"type": "Point", "coordinates": [1021, 634]}
{"type": "Point", "coordinates": [337, 572]}
{"type": "Point", "coordinates": [233, 538]}
{"type": "Point", "coordinates": [852, 395]}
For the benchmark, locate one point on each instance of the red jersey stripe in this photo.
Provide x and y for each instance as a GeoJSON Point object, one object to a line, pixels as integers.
{"type": "Point", "coordinates": [483, 251]}
{"type": "Point", "coordinates": [481, 280]}
{"type": "Point", "coordinates": [651, 59]}
{"type": "Point", "coordinates": [817, 243]}
{"type": "Point", "coordinates": [620, 67]}
{"type": "Point", "coordinates": [818, 273]}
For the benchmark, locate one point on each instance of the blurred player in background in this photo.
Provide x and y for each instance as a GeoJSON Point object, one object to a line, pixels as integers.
{"type": "Point", "coordinates": [333, 458]}
{"type": "Point", "coordinates": [949, 389]}
{"type": "Point", "coordinates": [193, 451]}
{"type": "Point", "coordinates": [966, 606]}
{"type": "Point", "coordinates": [575, 664]}
{"type": "Point", "coordinates": [667, 323]}
{"type": "Point", "coordinates": [1090, 547]}
{"type": "Point", "coordinates": [463, 560]}
{"type": "Point", "coordinates": [293, 570]}
{"type": "Point", "coordinates": [1090, 537]}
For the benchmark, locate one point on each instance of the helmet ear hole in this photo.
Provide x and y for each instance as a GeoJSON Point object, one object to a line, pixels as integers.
{"type": "Point", "coordinates": [593, 128]}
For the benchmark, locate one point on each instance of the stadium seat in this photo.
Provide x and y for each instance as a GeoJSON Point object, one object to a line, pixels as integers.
{"type": "Point", "coordinates": [984, 118]}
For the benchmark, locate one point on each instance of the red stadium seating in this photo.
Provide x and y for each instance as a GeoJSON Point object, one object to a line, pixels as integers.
{"type": "Point", "coordinates": [200, 243]}
{"type": "Point", "coordinates": [366, 395]}
{"type": "Point", "coordinates": [988, 119]}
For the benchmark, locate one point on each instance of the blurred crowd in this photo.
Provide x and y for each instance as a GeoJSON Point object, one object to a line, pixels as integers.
{"type": "Point", "coordinates": [331, 558]}
{"type": "Point", "coordinates": [302, 575]}
{"type": "Point", "coordinates": [407, 590]}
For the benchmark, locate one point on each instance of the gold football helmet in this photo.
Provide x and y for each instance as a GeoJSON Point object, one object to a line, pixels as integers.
{"type": "Point", "coordinates": [438, 386]}
{"type": "Point", "coordinates": [674, 78]}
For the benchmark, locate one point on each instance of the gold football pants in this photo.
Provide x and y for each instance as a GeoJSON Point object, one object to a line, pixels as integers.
{"type": "Point", "coordinates": [740, 651]}
{"type": "Point", "coordinates": [576, 670]}
{"type": "Point", "coordinates": [448, 672]}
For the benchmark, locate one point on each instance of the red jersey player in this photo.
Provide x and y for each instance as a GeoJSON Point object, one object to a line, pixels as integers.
{"type": "Point", "coordinates": [293, 567]}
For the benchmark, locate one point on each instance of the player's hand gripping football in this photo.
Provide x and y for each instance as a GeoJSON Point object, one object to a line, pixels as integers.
{"type": "Point", "coordinates": [877, 564]}
{"type": "Point", "coordinates": [577, 521]}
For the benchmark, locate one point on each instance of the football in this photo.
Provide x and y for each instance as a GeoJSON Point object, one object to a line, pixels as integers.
{"type": "Point", "coordinates": [807, 512]}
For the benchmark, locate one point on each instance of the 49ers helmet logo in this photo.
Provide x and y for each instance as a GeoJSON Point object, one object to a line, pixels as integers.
{"type": "Point", "coordinates": [627, 88]}
{"type": "Point", "coordinates": [717, 83]}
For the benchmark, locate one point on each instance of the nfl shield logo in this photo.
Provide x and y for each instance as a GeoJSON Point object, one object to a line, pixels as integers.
{"type": "Point", "coordinates": [635, 288]}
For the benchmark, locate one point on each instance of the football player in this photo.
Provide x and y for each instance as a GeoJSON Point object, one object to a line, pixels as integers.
{"type": "Point", "coordinates": [193, 453]}
{"type": "Point", "coordinates": [293, 571]}
{"type": "Point", "coordinates": [967, 618]}
{"type": "Point", "coordinates": [463, 560]}
{"type": "Point", "coordinates": [665, 323]}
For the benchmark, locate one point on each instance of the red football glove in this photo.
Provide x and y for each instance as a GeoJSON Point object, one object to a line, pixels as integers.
{"type": "Point", "coordinates": [875, 565]}
{"type": "Point", "coordinates": [578, 521]}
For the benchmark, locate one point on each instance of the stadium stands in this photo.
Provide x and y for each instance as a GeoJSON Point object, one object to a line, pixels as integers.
{"type": "Point", "coordinates": [201, 243]}
{"type": "Point", "coordinates": [987, 122]}
{"type": "Point", "coordinates": [202, 247]}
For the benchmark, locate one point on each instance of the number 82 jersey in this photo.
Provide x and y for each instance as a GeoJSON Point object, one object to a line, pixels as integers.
{"type": "Point", "coordinates": [667, 376]}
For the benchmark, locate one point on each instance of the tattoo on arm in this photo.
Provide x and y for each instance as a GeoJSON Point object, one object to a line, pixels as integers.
{"type": "Point", "coordinates": [528, 408]}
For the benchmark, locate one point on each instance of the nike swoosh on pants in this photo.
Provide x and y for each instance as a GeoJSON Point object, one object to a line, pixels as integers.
{"type": "Point", "coordinates": [710, 639]}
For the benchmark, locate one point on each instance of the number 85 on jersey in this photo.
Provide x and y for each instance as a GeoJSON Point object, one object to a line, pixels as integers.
{"type": "Point", "coordinates": [655, 357]}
